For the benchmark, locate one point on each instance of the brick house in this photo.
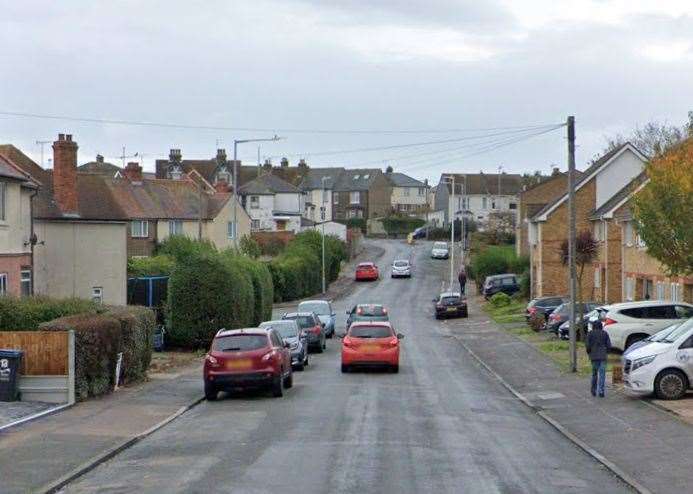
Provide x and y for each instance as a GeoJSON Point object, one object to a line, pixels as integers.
{"type": "Point", "coordinates": [17, 191]}
{"type": "Point", "coordinates": [80, 230]}
{"type": "Point", "coordinates": [361, 193]}
{"type": "Point", "coordinates": [409, 196]}
{"type": "Point", "coordinates": [548, 228]}
{"type": "Point", "coordinates": [531, 201]}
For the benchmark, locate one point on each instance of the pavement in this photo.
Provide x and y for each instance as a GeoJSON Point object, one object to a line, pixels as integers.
{"type": "Point", "coordinates": [442, 425]}
{"type": "Point", "coordinates": [12, 411]}
{"type": "Point", "coordinates": [651, 446]}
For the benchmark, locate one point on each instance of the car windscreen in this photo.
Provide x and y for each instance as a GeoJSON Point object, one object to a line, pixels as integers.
{"type": "Point", "coordinates": [370, 332]}
{"type": "Point", "coordinates": [371, 310]}
{"type": "Point", "coordinates": [239, 343]}
{"type": "Point", "coordinates": [287, 329]}
{"type": "Point", "coordinates": [303, 321]}
{"type": "Point", "coordinates": [322, 309]}
{"type": "Point", "coordinates": [450, 300]}
{"type": "Point", "coordinates": [664, 333]}
{"type": "Point", "coordinates": [681, 330]}
{"type": "Point", "coordinates": [365, 265]}
{"type": "Point", "coordinates": [440, 245]}
{"type": "Point", "coordinates": [400, 264]}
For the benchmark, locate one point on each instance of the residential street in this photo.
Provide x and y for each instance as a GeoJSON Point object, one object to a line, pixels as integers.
{"type": "Point", "coordinates": [443, 424]}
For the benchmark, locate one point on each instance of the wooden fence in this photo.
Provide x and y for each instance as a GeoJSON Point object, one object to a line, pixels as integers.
{"type": "Point", "coordinates": [46, 353]}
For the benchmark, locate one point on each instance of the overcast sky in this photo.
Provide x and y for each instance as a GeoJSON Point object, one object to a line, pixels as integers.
{"type": "Point", "coordinates": [345, 65]}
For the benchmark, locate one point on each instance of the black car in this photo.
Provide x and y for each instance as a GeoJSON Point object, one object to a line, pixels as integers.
{"type": "Point", "coordinates": [450, 304]}
{"type": "Point", "coordinates": [366, 312]}
{"type": "Point", "coordinates": [543, 306]}
{"type": "Point", "coordinates": [505, 283]}
{"type": "Point", "coordinates": [562, 312]}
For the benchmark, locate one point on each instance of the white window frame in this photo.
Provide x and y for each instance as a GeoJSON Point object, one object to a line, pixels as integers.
{"type": "Point", "coordinates": [3, 284]}
{"type": "Point", "coordinates": [484, 203]}
{"type": "Point", "coordinates": [142, 231]}
{"type": "Point", "coordinates": [630, 289]}
{"type": "Point", "coordinates": [335, 198]}
{"type": "Point", "coordinates": [628, 234]}
{"type": "Point", "coordinates": [675, 295]}
{"type": "Point", "coordinates": [355, 197]}
{"type": "Point", "coordinates": [25, 278]}
{"type": "Point", "coordinates": [175, 227]}
{"type": "Point", "coordinates": [254, 202]}
{"type": "Point", "coordinates": [599, 231]}
{"type": "Point", "coordinates": [422, 191]}
{"type": "Point", "coordinates": [97, 294]}
{"type": "Point", "coordinates": [405, 192]}
{"type": "Point", "coordinates": [598, 277]}
{"type": "Point", "coordinates": [255, 224]}
{"type": "Point", "coordinates": [660, 290]}
{"type": "Point", "coordinates": [3, 201]}
{"type": "Point", "coordinates": [231, 230]}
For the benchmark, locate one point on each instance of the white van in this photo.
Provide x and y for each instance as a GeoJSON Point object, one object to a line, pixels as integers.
{"type": "Point", "coordinates": [634, 321]}
{"type": "Point", "coordinates": [663, 367]}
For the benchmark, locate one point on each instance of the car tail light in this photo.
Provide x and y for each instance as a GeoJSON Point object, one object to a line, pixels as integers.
{"type": "Point", "coordinates": [394, 342]}
{"type": "Point", "coordinates": [608, 321]}
{"type": "Point", "coordinates": [212, 361]}
{"type": "Point", "coordinates": [316, 329]}
{"type": "Point", "coordinates": [532, 310]}
{"type": "Point", "coordinates": [347, 342]}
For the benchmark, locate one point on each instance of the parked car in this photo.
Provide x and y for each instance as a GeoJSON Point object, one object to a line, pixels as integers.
{"type": "Point", "coordinates": [562, 313]}
{"type": "Point", "coordinates": [371, 344]}
{"type": "Point", "coordinates": [367, 271]}
{"type": "Point", "coordinates": [311, 325]}
{"type": "Point", "coordinates": [506, 283]}
{"type": "Point", "coordinates": [450, 304]}
{"type": "Point", "coordinates": [585, 324]}
{"type": "Point", "coordinates": [419, 232]}
{"type": "Point", "coordinates": [440, 250]}
{"type": "Point", "coordinates": [401, 268]}
{"type": "Point", "coordinates": [629, 322]}
{"type": "Point", "coordinates": [247, 358]}
{"type": "Point", "coordinates": [323, 308]}
{"type": "Point", "coordinates": [297, 340]}
{"type": "Point", "coordinates": [543, 306]}
{"type": "Point", "coordinates": [664, 367]}
{"type": "Point", "coordinates": [658, 336]}
{"type": "Point", "coordinates": [367, 312]}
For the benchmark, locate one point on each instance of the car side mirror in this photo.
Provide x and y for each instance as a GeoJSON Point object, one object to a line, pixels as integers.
{"type": "Point", "coordinates": [287, 344]}
{"type": "Point", "coordinates": [341, 336]}
{"type": "Point", "coordinates": [400, 336]}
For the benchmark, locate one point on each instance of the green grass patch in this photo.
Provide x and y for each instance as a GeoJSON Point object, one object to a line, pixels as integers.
{"type": "Point", "coordinates": [514, 312]}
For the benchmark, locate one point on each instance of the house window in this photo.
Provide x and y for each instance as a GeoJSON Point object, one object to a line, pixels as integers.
{"type": "Point", "coordinates": [25, 282]}
{"type": "Point", "coordinates": [599, 231]}
{"type": "Point", "coordinates": [139, 229]}
{"type": "Point", "coordinates": [255, 224]}
{"type": "Point", "coordinates": [3, 194]}
{"type": "Point", "coordinates": [628, 234]}
{"type": "Point", "coordinates": [675, 292]}
{"type": "Point", "coordinates": [254, 202]}
{"type": "Point", "coordinates": [175, 227]}
{"type": "Point", "coordinates": [324, 196]}
{"type": "Point", "coordinates": [231, 229]}
{"type": "Point", "coordinates": [597, 277]}
{"type": "Point", "coordinates": [630, 289]}
{"type": "Point", "coordinates": [639, 242]}
{"type": "Point", "coordinates": [355, 197]}
{"type": "Point", "coordinates": [335, 198]}
{"type": "Point", "coordinates": [406, 192]}
{"type": "Point", "coordinates": [660, 291]}
{"type": "Point", "coordinates": [3, 284]}
{"type": "Point", "coordinates": [422, 191]}
{"type": "Point", "coordinates": [512, 205]}
{"type": "Point", "coordinates": [484, 203]}
{"type": "Point", "coordinates": [97, 294]}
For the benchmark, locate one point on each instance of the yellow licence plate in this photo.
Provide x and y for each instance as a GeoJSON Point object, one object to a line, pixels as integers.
{"type": "Point", "coordinates": [239, 364]}
{"type": "Point", "coordinates": [452, 309]}
{"type": "Point", "coordinates": [370, 348]}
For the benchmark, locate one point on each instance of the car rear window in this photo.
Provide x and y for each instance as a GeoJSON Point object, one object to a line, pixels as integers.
{"type": "Point", "coordinates": [401, 264]}
{"type": "Point", "coordinates": [370, 332]}
{"type": "Point", "coordinates": [683, 312]}
{"type": "Point", "coordinates": [239, 343]}
{"type": "Point", "coordinates": [651, 312]}
{"type": "Point", "coordinates": [508, 281]}
{"type": "Point", "coordinates": [371, 310]}
{"type": "Point", "coordinates": [303, 321]}
{"type": "Point", "coordinates": [365, 265]}
{"type": "Point", "coordinates": [440, 245]}
{"type": "Point", "coordinates": [450, 300]}
{"type": "Point", "coordinates": [320, 308]}
{"type": "Point", "coordinates": [287, 329]}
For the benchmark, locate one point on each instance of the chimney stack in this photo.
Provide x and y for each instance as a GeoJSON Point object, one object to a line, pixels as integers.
{"type": "Point", "coordinates": [99, 158]}
{"type": "Point", "coordinates": [221, 155]}
{"type": "Point", "coordinates": [284, 162]}
{"type": "Point", "coordinates": [268, 164]}
{"type": "Point", "coordinates": [133, 172]}
{"type": "Point", "coordinates": [65, 173]}
{"type": "Point", "coordinates": [174, 156]}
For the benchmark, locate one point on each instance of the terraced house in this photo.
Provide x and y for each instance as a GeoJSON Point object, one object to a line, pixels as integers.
{"type": "Point", "coordinates": [361, 193]}
{"type": "Point", "coordinates": [409, 196]}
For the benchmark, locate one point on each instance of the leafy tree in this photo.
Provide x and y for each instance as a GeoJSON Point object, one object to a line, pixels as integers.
{"type": "Point", "coordinates": [586, 251]}
{"type": "Point", "coordinates": [663, 209]}
{"type": "Point", "coordinates": [250, 247]}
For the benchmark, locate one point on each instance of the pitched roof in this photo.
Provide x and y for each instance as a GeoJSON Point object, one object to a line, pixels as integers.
{"type": "Point", "coordinates": [356, 179]}
{"type": "Point", "coordinates": [267, 183]}
{"type": "Point", "coordinates": [21, 160]}
{"type": "Point", "coordinates": [619, 197]}
{"type": "Point", "coordinates": [99, 167]}
{"type": "Point", "coordinates": [588, 174]}
{"type": "Point", "coordinates": [9, 170]}
{"type": "Point", "coordinates": [401, 180]}
{"type": "Point", "coordinates": [486, 183]}
{"type": "Point", "coordinates": [206, 168]}
{"type": "Point", "coordinates": [313, 179]}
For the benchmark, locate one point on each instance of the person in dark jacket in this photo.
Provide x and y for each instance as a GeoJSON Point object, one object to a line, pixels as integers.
{"type": "Point", "coordinates": [462, 278]}
{"type": "Point", "coordinates": [597, 345]}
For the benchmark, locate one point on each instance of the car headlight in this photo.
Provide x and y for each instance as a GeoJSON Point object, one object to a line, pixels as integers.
{"type": "Point", "coordinates": [294, 346]}
{"type": "Point", "coordinates": [637, 363]}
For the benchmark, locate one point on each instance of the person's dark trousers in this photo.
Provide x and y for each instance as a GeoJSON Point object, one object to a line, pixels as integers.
{"type": "Point", "coordinates": [462, 285]}
{"type": "Point", "coordinates": [598, 377]}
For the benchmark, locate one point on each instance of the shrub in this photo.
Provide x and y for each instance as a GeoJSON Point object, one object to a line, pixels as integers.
{"type": "Point", "coordinates": [27, 313]}
{"type": "Point", "coordinates": [181, 247]}
{"type": "Point", "coordinates": [250, 247]}
{"type": "Point", "coordinates": [525, 281]}
{"type": "Point", "coordinates": [137, 326]}
{"type": "Point", "coordinates": [260, 281]}
{"type": "Point", "coordinates": [496, 259]}
{"type": "Point", "coordinates": [160, 265]}
{"type": "Point", "coordinates": [500, 300]}
{"type": "Point", "coordinates": [537, 322]}
{"type": "Point", "coordinates": [394, 225]}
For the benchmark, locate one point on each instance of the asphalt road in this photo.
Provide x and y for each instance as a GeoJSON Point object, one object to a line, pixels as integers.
{"type": "Point", "coordinates": [442, 425]}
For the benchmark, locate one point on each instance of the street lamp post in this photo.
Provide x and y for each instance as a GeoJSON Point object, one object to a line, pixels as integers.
{"type": "Point", "coordinates": [236, 142]}
{"type": "Point", "coordinates": [323, 211]}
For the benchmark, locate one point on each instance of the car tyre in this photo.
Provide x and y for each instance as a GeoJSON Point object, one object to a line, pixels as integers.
{"type": "Point", "coordinates": [345, 368]}
{"type": "Point", "coordinates": [394, 369]}
{"type": "Point", "coordinates": [465, 314]}
{"type": "Point", "coordinates": [211, 391]}
{"type": "Point", "coordinates": [299, 367]}
{"type": "Point", "coordinates": [277, 387]}
{"type": "Point", "coordinates": [289, 380]}
{"type": "Point", "coordinates": [670, 384]}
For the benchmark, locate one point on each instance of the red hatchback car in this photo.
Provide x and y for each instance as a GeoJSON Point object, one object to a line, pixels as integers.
{"type": "Point", "coordinates": [247, 358]}
{"type": "Point", "coordinates": [367, 271]}
{"type": "Point", "coordinates": [371, 344]}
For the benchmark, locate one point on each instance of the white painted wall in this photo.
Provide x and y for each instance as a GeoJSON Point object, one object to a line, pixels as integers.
{"type": "Point", "coordinates": [288, 202]}
{"type": "Point", "coordinates": [331, 228]}
{"type": "Point", "coordinates": [617, 175]}
{"type": "Point", "coordinates": [315, 197]}
{"type": "Point", "coordinates": [476, 205]}
{"type": "Point", "coordinates": [16, 227]}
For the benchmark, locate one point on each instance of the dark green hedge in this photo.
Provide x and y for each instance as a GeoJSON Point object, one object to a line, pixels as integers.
{"type": "Point", "coordinates": [359, 223]}
{"type": "Point", "coordinates": [160, 265]}
{"type": "Point", "coordinates": [26, 313]}
{"type": "Point", "coordinates": [496, 259]}
{"type": "Point", "coordinates": [395, 225]}
{"type": "Point", "coordinates": [181, 247]}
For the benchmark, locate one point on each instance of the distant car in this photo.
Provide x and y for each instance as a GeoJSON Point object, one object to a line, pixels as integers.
{"type": "Point", "coordinates": [311, 325]}
{"type": "Point", "coordinates": [247, 358]}
{"type": "Point", "coordinates": [562, 313]}
{"type": "Point", "coordinates": [440, 250]}
{"type": "Point", "coordinates": [584, 325]}
{"type": "Point", "coordinates": [543, 306]}
{"type": "Point", "coordinates": [323, 309]}
{"type": "Point", "coordinates": [419, 232]}
{"type": "Point", "coordinates": [401, 268]}
{"type": "Point", "coordinates": [367, 271]}
{"type": "Point", "coordinates": [367, 312]}
{"type": "Point", "coordinates": [297, 340]}
{"type": "Point", "coordinates": [629, 322]}
{"type": "Point", "coordinates": [371, 344]}
{"type": "Point", "coordinates": [450, 304]}
{"type": "Point", "coordinates": [505, 283]}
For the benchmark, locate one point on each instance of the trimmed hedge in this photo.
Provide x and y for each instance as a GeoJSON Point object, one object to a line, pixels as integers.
{"type": "Point", "coordinates": [496, 259]}
{"type": "Point", "coordinates": [394, 225]}
{"type": "Point", "coordinates": [27, 313]}
{"type": "Point", "coordinates": [261, 281]}
{"type": "Point", "coordinates": [160, 265]}
{"type": "Point", "coordinates": [98, 340]}
{"type": "Point", "coordinates": [181, 247]}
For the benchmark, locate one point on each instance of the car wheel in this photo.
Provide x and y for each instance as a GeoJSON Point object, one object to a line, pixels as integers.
{"type": "Point", "coordinates": [670, 384]}
{"type": "Point", "coordinates": [299, 367]}
{"type": "Point", "coordinates": [305, 361]}
{"type": "Point", "coordinates": [437, 316]}
{"type": "Point", "coordinates": [318, 349]}
{"type": "Point", "coordinates": [211, 391]}
{"type": "Point", "coordinates": [289, 380]}
{"type": "Point", "coordinates": [634, 338]}
{"type": "Point", "coordinates": [394, 369]}
{"type": "Point", "coordinates": [345, 368]}
{"type": "Point", "coordinates": [277, 387]}
{"type": "Point", "coordinates": [465, 314]}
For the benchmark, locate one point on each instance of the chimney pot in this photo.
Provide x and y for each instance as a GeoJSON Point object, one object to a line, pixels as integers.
{"type": "Point", "coordinates": [61, 137]}
{"type": "Point", "coordinates": [99, 158]}
{"type": "Point", "coordinates": [285, 162]}
{"type": "Point", "coordinates": [68, 137]}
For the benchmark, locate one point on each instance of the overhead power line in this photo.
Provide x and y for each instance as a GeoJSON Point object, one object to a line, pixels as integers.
{"type": "Point", "coordinates": [255, 129]}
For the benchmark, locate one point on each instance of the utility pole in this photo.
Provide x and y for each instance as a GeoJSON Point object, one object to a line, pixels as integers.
{"type": "Point", "coordinates": [452, 235]}
{"type": "Point", "coordinates": [427, 207]}
{"type": "Point", "coordinates": [323, 211]}
{"type": "Point", "coordinates": [571, 240]}
{"type": "Point", "coordinates": [42, 143]}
